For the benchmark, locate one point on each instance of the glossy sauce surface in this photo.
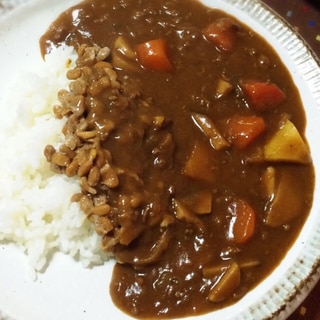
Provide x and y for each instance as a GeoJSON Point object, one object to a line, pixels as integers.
{"type": "Point", "coordinates": [186, 245]}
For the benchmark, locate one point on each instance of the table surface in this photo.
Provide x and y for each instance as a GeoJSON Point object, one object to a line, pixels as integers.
{"type": "Point", "coordinates": [304, 16]}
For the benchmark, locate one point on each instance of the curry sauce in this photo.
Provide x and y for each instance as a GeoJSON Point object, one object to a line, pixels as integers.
{"type": "Point", "coordinates": [186, 131]}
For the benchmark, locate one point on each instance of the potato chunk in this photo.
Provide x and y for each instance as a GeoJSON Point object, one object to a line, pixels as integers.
{"type": "Point", "coordinates": [200, 202]}
{"type": "Point", "coordinates": [223, 88]}
{"type": "Point", "coordinates": [184, 214]}
{"type": "Point", "coordinates": [285, 201]}
{"type": "Point", "coordinates": [287, 145]}
{"type": "Point", "coordinates": [200, 163]}
{"type": "Point", "coordinates": [227, 281]}
{"type": "Point", "coordinates": [123, 55]}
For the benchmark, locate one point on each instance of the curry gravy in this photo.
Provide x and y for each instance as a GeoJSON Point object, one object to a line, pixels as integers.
{"type": "Point", "coordinates": [171, 251]}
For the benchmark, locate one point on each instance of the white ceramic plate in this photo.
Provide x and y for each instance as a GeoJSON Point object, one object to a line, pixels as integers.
{"type": "Point", "coordinates": [68, 291]}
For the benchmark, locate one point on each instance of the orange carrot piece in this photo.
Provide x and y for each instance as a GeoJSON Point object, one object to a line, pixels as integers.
{"type": "Point", "coordinates": [153, 55]}
{"type": "Point", "coordinates": [263, 96]}
{"type": "Point", "coordinates": [242, 130]}
{"type": "Point", "coordinates": [243, 222]}
{"type": "Point", "coordinates": [222, 33]}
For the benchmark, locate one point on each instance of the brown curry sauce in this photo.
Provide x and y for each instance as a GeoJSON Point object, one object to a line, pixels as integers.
{"type": "Point", "coordinates": [185, 245]}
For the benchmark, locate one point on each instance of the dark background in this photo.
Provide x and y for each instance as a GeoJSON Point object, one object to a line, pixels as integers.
{"type": "Point", "coordinates": [304, 16]}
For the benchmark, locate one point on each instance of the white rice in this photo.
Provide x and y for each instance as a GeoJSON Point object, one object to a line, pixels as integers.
{"type": "Point", "coordinates": [35, 209]}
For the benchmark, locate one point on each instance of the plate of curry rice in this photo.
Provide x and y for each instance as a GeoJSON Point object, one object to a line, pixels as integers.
{"type": "Point", "coordinates": [159, 160]}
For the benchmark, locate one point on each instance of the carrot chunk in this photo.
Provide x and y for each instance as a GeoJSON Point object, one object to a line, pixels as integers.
{"type": "Point", "coordinates": [153, 55]}
{"type": "Point", "coordinates": [242, 130]}
{"type": "Point", "coordinates": [222, 33]}
{"type": "Point", "coordinates": [263, 96]}
{"type": "Point", "coordinates": [243, 222]}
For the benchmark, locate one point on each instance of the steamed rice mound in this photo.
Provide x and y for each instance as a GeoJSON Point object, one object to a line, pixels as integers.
{"type": "Point", "coordinates": [35, 208]}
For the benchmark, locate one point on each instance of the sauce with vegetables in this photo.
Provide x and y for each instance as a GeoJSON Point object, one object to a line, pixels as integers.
{"type": "Point", "coordinates": [187, 134]}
